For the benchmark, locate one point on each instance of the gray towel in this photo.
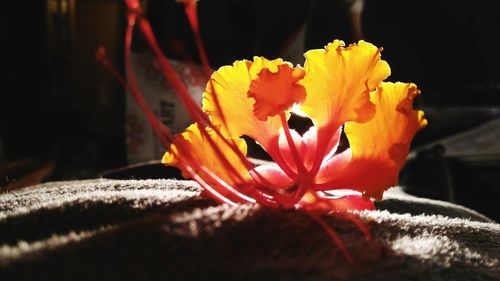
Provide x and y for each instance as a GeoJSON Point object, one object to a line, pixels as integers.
{"type": "Point", "coordinates": [161, 229]}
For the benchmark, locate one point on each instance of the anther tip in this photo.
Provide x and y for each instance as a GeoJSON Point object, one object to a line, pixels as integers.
{"type": "Point", "coordinates": [100, 54]}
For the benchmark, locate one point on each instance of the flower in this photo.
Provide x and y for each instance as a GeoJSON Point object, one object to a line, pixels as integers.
{"type": "Point", "coordinates": [339, 88]}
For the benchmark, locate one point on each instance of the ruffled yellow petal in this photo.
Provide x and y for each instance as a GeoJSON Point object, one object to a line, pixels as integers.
{"type": "Point", "coordinates": [380, 146]}
{"type": "Point", "coordinates": [276, 92]}
{"type": "Point", "coordinates": [227, 103]}
{"type": "Point", "coordinates": [338, 81]}
{"type": "Point", "coordinates": [192, 148]}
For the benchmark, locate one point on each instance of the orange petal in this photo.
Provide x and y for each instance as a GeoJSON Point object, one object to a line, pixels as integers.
{"type": "Point", "coordinates": [273, 174]}
{"type": "Point", "coordinates": [380, 146]}
{"type": "Point", "coordinates": [278, 91]}
{"type": "Point", "coordinates": [192, 148]}
{"type": "Point", "coordinates": [338, 81]}
{"type": "Point", "coordinates": [228, 105]}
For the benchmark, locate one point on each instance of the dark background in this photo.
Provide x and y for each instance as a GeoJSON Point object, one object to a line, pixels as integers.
{"type": "Point", "coordinates": [60, 107]}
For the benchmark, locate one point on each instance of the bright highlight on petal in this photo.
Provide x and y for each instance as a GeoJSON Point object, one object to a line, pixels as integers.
{"type": "Point", "coordinates": [191, 148]}
{"type": "Point", "coordinates": [230, 109]}
{"type": "Point", "coordinates": [379, 147]}
{"type": "Point", "coordinates": [339, 89]}
{"type": "Point", "coordinates": [338, 81]}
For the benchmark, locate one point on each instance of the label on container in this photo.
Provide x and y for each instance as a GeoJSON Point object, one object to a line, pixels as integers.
{"type": "Point", "coordinates": [142, 143]}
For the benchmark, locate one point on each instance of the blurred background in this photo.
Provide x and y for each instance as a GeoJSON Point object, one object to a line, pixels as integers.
{"type": "Point", "coordinates": [64, 117]}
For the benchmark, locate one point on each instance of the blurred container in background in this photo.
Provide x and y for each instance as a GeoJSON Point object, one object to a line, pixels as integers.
{"type": "Point", "coordinates": [142, 143]}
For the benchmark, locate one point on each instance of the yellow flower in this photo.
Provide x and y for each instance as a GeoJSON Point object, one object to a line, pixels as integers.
{"type": "Point", "coordinates": [338, 88]}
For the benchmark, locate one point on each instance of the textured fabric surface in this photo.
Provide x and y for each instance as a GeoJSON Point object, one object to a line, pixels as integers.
{"type": "Point", "coordinates": [160, 229]}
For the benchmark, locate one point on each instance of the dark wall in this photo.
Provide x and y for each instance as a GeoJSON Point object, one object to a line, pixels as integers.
{"type": "Point", "coordinates": [449, 48]}
{"type": "Point", "coordinates": [25, 103]}
{"type": "Point", "coordinates": [57, 101]}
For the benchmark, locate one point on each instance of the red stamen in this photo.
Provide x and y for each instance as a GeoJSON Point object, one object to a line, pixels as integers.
{"type": "Point", "coordinates": [335, 238]}
{"type": "Point", "coordinates": [221, 182]}
{"type": "Point", "coordinates": [134, 89]}
{"type": "Point", "coordinates": [323, 138]}
{"type": "Point", "coordinates": [169, 74]}
{"type": "Point", "coordinates": [358, 223]}
{"type": "Point", "coordinates": [304, 178]}
{"type": "Point", "coordinates": [133, 85]}
{"type": "Point", "coordinates": [281, 199]}
{"type": "Point", "coordinates": [293, 149]}
{"type": "Point", "coordinates": [208, 188]}
{"type": "Point", "coordinates": [157, 126]}
{"type": "Point", "coordinates": [191, 10]}
{"type": "Point", "coordinates": [324, 198]}
{"type": "Point", "coordinates": [160, 130]}
{"type": "Point", "coordinates": [193, 109]}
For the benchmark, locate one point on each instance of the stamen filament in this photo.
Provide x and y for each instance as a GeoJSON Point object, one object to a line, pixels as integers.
{"type": "Point", "coordinates": [209, 188]}
{"type": "Point", "coordinates": [293, 149]}
{"type": "Point", "coordinates": [157, 126]}
{"type": "Point", "coordinates": [322, 142]}
{"type": "Point", "coordinates": [358, 223]}
{"type": "Point", "coordinates": [133, 88]}
{"type": "Point", "coordinates": [262, 182]}
{"type": "Point", "coordinates": [321, 196]}
{"type": "Point", "coordinates": [191, 10]}
{"type": "Point", "coordinates": [229, 188]}
{"type": "Point", "coordinates": [169, 73]}
{"type": "Point", "coordinates": [278, 159]}
{"type": "Point", "coordinates": [303, 180]}
{"type": "Point", "coordinates": [335, 238]}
